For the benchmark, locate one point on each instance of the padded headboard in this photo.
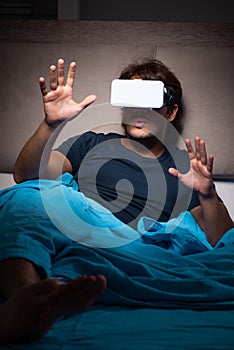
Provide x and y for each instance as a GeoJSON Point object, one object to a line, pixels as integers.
{"type": "Point", "coordinates": [201, 55]}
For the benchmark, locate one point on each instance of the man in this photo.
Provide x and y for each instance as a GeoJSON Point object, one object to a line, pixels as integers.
{"type": "Point", "coordinates": [60, 106]}
{"type": "Point", "coordinates": [21, 279]}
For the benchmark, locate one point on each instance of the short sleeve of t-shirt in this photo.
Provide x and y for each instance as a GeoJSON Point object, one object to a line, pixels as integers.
{"type": "Point", "coordinates": [76, 148]}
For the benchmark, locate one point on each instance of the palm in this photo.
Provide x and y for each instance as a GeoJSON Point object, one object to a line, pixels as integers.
{"type": "Point", "coordinates": [60, 105]}
{"type": "Point", "coordinates": [58, 102]}
{"type": "Point", "coordinates": [199, 177]}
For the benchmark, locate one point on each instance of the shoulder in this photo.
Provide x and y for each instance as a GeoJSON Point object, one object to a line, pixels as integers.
{"type": "Point", "coordinates": [98, 137]}
{"type": "Point", "coordinates": [75, 148]}
{"type": "Point", "coordinates": [91, 138]}
{"type": "Point", "coordinates": [88, 139]}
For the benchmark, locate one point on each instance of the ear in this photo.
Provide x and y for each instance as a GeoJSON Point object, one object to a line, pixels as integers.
{"type": "Point", "coordinates": [171, 112]}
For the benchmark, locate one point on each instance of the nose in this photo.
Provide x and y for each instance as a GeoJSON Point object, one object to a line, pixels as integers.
{"type": "Point", "coordinates": [136, 112]}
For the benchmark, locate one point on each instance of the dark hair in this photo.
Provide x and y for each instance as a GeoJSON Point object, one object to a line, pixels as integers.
{"type": "Point", "coordinates": [153, 69]}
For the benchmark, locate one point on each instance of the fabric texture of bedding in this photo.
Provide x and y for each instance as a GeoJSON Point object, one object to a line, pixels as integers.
{"type": "Point", "coordinates": [106, 327]}
{"type": "Point", "coordinates": [163, 276]}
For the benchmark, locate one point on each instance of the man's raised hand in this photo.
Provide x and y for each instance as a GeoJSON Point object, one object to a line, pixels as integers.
{"type": "Point", "coordinates": [199, 177]}
{"type": "Point", "coordinates": [58, 99]}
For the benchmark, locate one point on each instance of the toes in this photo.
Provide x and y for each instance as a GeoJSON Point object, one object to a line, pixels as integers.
{"type": "Point", "coordinates": [88, 284]}
{"type": "Point", "coordinates": [77, 295]}
{"type": "Point", "coordinates": [99, 284]}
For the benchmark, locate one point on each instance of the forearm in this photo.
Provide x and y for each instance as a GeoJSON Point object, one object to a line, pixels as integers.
{"type": "Point", "coordinates": [213, 217]}
{"type": "Point", "coordinates": [30, 161]}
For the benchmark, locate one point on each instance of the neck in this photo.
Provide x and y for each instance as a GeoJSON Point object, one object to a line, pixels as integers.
{"type": "Point", "coordinates": [149, 147]}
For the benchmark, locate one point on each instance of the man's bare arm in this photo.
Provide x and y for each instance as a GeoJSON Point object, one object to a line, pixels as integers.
{"type": "Point", "coordinates": [59, 107]}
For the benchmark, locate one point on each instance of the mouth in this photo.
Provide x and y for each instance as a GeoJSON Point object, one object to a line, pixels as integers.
{"type": "Point", "coordinates": [139, 122]}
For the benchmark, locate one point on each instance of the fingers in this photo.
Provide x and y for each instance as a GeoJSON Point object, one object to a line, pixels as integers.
{"type": "Point", "coordinates": [53, 78]}
{"type": "Point", "coordinates": [200, 153]}
{"type": "Point", "coordinates": [57, 76]}
{"type": "Point", "coordinates": [71, 74]}
{"type": "Point", "coordinates": [61, 72]}
{"type": "Point", "coordinates": [210, 163]}
{"type": "Point", "coordinates": [43, 87]}
{"type": "Point", "coordinates": [200, 148]}
{"type": "Point", "coordinates": [203, 153]}
{"type": "Point", "coordinates": [197, 148]}
{"type": "Point", "coordinates": [190, 149]}
{"type": "Point", "coordinates": [173, 172]}
{"type": "Point", "coordinates": [87, 101]}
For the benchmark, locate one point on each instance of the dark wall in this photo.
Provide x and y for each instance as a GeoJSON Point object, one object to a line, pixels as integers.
{"type": "Point", "coordinates": [158, 10]}
{"type": "Point", "coordinates": [211, 11]}
{"type": "Point", "coordinates": [28, 9]}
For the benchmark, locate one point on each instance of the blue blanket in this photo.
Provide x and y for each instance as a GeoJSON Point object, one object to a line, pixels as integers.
{"type": "Point", "coordinates": [166, 265]}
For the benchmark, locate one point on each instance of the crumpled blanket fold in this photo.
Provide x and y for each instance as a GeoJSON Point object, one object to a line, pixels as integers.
{"type": "Point", "coordinates": [161, 264]}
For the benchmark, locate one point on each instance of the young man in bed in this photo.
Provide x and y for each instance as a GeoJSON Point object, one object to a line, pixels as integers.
{"type": "Point", "coordinates": [32, 303]}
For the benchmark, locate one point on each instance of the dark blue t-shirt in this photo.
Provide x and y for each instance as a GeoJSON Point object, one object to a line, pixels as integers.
{"type": "Point", "coordinates": [126, 183]}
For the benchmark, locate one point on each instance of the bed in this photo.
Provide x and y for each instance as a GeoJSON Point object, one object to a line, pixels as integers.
{"type": "Point", "coordinates": [189, 301]}
{"type": "Point", "coordinates": [156, 297]}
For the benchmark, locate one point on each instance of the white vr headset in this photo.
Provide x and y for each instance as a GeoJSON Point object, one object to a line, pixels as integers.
{"type": "Point", "coordinates": [140, 93]}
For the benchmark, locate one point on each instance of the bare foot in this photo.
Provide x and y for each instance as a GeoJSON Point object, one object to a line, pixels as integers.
{"type": "Point", "coordinates": [77, 295]}
{"type": "Point", "coordinates": [20, 314]}
{"type": "Point", "coordinates": [32, 310]}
